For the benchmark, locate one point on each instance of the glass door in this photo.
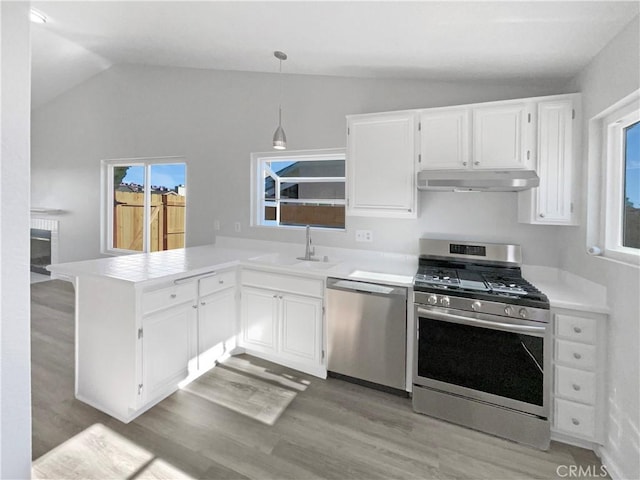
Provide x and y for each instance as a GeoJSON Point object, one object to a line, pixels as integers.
{"type": "Point", "coordinates": [498, 366]}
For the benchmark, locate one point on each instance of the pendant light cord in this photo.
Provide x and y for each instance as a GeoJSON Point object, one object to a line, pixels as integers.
{"type": "Point", "coordinates": [280, 102]}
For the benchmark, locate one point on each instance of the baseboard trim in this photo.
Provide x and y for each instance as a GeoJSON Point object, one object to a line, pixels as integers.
{"type": "Point", "coordinates": [612, 468]}
{"type": "Point", "coordinates": [571, 440]}
{"type": "Point", "coordinates": [315, 370]}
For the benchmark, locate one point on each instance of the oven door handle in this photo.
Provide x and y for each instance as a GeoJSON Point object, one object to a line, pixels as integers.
{"type": "Point", "coordinates": [477, 322]}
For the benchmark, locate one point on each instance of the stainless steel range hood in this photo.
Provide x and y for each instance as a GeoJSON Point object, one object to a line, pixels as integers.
{"type": "Point", "coordinates": [477, 180]}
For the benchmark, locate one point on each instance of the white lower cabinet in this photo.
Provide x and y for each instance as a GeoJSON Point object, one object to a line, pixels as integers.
{"type": "Point", "coordinates": [283, 326]}
{"type": "Point", "coordinates": [136, 343]}
{"type": "Point", "coordinates": [167, 349]}
{"type": "Point", "coordinates": [579, 368]}
{"type": "Point", "coordinates": [259, 320]}
{"type": "Point", "coordinates": [301, 329]}
{"type": "Point", "coordinates": [217, 327]}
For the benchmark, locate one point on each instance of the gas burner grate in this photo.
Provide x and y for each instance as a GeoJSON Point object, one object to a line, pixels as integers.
{"type": "Point", "coordinates": [438, 276]}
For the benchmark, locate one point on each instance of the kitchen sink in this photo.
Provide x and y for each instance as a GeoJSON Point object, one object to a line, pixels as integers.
{"type": "Point", "coordinates": [314, 265]}
{"type": "Point", "coordinates": [278, 259]}
{"type": "Point", "coordinates": [275, 259]}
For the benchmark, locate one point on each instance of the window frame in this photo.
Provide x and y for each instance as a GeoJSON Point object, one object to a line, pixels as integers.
{"type": "Point", "coordinates": [605, 190]}
{"type": "Point", "coordinates": [106, 198]}
{"type": "Point", "coordinates": [258, 201]}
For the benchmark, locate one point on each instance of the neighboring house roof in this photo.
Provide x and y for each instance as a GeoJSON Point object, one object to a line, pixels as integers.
{"type": "Point", "coordinates": [303, 169]}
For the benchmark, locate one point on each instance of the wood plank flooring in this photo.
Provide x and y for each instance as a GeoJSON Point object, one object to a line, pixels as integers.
{"type": "Point", "coordinates": [330, 430]}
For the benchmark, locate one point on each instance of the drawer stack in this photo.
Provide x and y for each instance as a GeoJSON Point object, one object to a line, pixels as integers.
{"type": "Point", "coordinates": [576, 381]}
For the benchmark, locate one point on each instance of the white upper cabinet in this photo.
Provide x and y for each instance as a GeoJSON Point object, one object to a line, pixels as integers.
{"type": "Point", "coordinates": [494, 136]}
{"type": "Point", "coordinates": [552, 203]}
{"type": "Point", "coordinates": [502, 135]}
{"type": "Point", "coordinates": [381, 165]}
{"type": "Point", "coordinates": [444, 139]}
{"type": "Point", "coordinates": [385, 151]}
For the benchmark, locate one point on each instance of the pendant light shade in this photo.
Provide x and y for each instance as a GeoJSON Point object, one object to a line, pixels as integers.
{"type": "Point", "coordinates": [279, 138]}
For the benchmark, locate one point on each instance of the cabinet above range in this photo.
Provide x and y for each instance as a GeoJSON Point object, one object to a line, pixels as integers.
{"type": "Point", "coordinates": [497, 135]}
{"type": "Point", "coordinates": [516, 144]}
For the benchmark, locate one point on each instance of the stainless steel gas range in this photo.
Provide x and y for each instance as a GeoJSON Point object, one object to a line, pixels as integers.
{"type": "Point", "coordinates": [483, 347]}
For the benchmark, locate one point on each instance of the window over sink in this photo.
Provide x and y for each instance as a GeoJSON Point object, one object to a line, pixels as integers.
{"type": "Point", "coordinates": [144, 204]}
{"type": "Point", "coordinates": [298, 188]}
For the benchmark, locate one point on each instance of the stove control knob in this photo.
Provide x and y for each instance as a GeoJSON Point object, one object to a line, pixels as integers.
{"type": "Point", "coordinates": [445, 301]}
{"type": "Point", "coordinates": [508, 310]}
{"type": "Point", "coordinates": [432, 300]}
{"type": "Point", "coordinates": [476, 306]}
{"type": "Point", "coordinates": [523, 313]}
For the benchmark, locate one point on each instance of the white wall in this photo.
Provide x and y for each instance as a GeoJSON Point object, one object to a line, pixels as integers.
{"type": "Point", "coordinates": [611, 76]}
{"type": "Point", "coordinates": [15, 385]}
{"type": "Point", "coordinates": [216, 119]}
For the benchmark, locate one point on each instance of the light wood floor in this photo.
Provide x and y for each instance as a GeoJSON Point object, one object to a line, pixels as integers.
{"type": "Point", "coordinates": [331, 429]}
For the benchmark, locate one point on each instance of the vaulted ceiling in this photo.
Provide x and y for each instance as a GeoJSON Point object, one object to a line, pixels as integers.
{"type": "Point", "coordinates": [530, 41]}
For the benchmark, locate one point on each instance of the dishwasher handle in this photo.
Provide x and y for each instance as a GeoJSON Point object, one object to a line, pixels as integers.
{"type": "Point", "coordinates": [365, 287]}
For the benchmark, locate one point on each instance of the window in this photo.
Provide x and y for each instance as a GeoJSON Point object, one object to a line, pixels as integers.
{"type": "Point", "coordinates": [621, 189]}
{"type": "Point", "coordinates": [299, 188]}
{"type": "Point", "coordinates": [145, 204]}
{"type": "Point", "coordinates": [631, 186]}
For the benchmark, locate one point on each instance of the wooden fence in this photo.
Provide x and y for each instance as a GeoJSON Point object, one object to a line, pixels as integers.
{"type": "Point", "coordinates": [325, 215]}
{"type": "Point", "coordinates": [167, 221]}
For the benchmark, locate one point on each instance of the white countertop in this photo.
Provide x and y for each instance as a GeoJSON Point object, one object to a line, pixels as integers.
{"type": "Point", "coordinates": [563, 289]}
{"type": "Point", "coordinates": [171, 264]}
{"type": "Point", "coordinates": [566, 290]}
{"type": "Point", "coordinates": [142, 267]}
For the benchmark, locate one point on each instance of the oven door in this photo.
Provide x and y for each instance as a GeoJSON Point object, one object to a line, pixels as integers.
{"type": "Point", "coordinates": [498, 360]}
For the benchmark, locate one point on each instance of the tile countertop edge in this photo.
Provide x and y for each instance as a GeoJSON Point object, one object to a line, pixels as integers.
{"type": "Point", "coordinates": [566, 290]}
{"type": "Point", "coordinates": [143, 269]}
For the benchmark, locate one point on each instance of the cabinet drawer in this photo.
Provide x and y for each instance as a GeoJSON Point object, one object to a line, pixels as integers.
{"type": "Point", "coordinates": [287, 283]}
{"type": "Point", "coordinates": [576, 384]}
{"type": "Point", "coordinates": [217, 282]}
{"type": "Point", "coordinates": [576, 354]}
{"type": "Point", "coordinates": [576, 328]}
{"type": "Point", "coordinates": [168, 297]}
{"type": "Point", "coordinates": [574, 418]}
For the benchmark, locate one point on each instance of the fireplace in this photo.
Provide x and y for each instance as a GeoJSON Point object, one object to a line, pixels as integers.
{"type": "Point", "coordinates": [40, 250]}
{"type": "Point", "coordinates": [44, 244]}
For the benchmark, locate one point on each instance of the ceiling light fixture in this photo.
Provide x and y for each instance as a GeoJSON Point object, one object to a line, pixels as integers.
{"type": "Point", "coordinates": [37, 17]}
{"type": "Point", "coordinates": [279, 138]}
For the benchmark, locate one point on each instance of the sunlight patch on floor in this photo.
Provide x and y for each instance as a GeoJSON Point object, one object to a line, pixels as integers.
{"type": "Point", "coordinates": [98, 453]}
{"type": "Point", "coordinates": [243, 393]}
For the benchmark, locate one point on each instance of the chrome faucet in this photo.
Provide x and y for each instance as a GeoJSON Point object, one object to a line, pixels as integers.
{"type": "Point", "coordinates": [309, 250]}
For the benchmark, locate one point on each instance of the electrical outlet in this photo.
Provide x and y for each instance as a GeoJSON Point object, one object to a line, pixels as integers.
{"type": "Point", "coordinates": [364, 236]}
{"type": "Point", "coordinates": [216, 225]}
{"type": "Point", "coordinates": [237, 227]}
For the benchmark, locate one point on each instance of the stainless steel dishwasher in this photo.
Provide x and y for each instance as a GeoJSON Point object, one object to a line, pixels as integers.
{"type": "Point", "coordinates": [367, 332]}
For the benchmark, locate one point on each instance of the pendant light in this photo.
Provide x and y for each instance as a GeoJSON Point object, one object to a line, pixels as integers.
{"type": "Point", "coordinates": [279, 138]}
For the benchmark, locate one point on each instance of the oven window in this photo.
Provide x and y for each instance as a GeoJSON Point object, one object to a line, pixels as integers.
{"type": "Point", "coordinates": [490, 361]}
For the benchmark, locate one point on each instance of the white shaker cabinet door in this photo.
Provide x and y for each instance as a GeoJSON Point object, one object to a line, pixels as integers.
{"type": "Point", "coordinates": [444, 139]}
{"type": "Point", "coordinates": [381, 165]}
{"type": "Point", "coordinates": [555, 139]}
{"type": "Point", "coordinates": [502, 136]}
{"type": "Point", "coordinates": [552, 203]}
{"type": "Point", "coordinates": [216, 327]}
{"type": "Point", "coordinates": [259, 318]}
{"type": "Point", "coordinates": [301, 329]}
{"type": "Point", "coordinates": [167, 349]}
